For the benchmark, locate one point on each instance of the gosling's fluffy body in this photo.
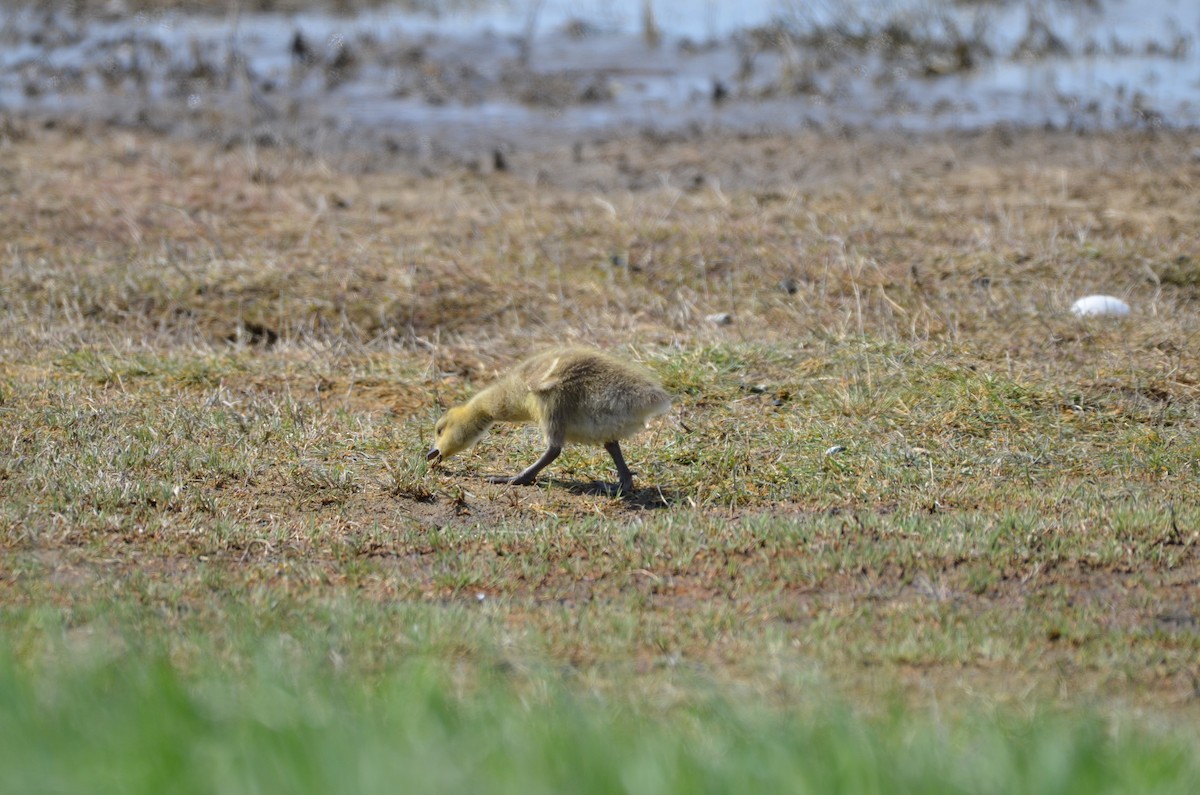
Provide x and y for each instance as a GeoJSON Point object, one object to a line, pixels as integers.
{"type": "Point", "coordinates": [573, 394]}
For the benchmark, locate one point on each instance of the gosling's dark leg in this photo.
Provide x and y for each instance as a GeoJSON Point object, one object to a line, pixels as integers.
{"type": "Point", "coordinates": [624, 476]}
{"type": "Point", "coordinates": [530, 474]}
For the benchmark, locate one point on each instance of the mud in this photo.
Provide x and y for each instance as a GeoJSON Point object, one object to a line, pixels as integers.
{"type": "Point", "coordinates": [482, 86]}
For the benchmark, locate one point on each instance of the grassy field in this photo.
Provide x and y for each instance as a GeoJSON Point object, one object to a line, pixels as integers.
{"type": "Point", "coordinates": [225, 562]}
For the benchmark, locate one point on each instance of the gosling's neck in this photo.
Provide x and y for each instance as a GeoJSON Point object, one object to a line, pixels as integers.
{"type": "Point", "coordinates": [503, 401]}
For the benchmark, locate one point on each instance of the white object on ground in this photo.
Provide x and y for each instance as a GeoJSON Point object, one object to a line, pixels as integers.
{"type": "Point", "coordinates": [1100, 305]}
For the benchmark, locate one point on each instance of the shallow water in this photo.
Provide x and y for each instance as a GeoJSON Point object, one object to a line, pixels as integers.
{"type": "Point", "coordinates": [511, 74]}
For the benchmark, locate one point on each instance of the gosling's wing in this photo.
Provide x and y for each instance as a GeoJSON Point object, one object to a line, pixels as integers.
{"type": "Point", "coordinates": [545, 374]}
{"type": "Point", "coordinates": [590, 381]}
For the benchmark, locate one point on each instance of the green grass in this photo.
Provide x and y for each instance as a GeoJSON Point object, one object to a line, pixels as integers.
{"type": "Point", "coordinates": [133, 723]}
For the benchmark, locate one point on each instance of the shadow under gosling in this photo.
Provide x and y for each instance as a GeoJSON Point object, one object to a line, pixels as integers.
{"type": "Point", "coordinates": [573, 394]}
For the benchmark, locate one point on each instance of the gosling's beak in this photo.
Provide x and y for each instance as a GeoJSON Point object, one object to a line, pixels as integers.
{"type": "Point", "coordinates": [434, 455]}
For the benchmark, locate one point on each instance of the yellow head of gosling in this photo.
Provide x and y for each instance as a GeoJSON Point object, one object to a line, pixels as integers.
{"type": "Point", "coordinates": [458, 429]}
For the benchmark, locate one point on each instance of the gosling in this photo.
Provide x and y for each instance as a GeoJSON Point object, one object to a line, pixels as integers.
{"type": "Point", "coordinates": [573, 394]}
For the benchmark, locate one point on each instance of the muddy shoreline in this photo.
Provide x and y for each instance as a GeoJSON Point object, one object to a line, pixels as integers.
{"type": "Point", "coordinates": [390, 89]}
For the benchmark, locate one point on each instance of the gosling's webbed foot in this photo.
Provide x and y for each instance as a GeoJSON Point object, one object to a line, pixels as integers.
{"type": "Point", "coordinates": [624, 476]}
{"type": "Point", "coordinates": [530, 474]}
{"type": "Point", "coordinates": [515, 480]}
